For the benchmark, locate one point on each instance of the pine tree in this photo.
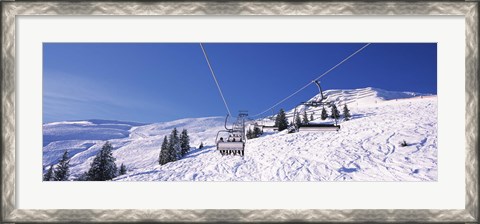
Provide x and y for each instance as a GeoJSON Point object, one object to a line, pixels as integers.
{"type": "Point", "coordinates": [311, 117]}
{"type": "Point", "coordinates": [277, 119]}
{"type": "Point", "coordinates": [174, 146]}
{"type": "Point", "coordinates": [123, 169]}
{"type": "Point", "coordinates": [184, 142]}
{"type": "Point", "coordinates": [249, 133]}
{"type": "Point", "coordinates": [335, 112]}
{"type": "Point", "coordinates": [346, 113]}
{"type": "Point", "coordinates": [298, 121]}
{"type": "Point", "coordinates": [62, 170]}
{"type": "Point", "coordinates": [324, 114]}
{"type": "Point", "coordinates": [281, 120]}
{"type": "Point", "coordinates": [164, 156]}
{"type": "Point", "coordinates": [305, 117]}
{"type": "Point", "coordinates": [256, 132]}
{"type": "Point", "coordinates": [48, 176]}
{"type": "Point", "coordinates": [201, 145]}
{"type": "Point", "coordinates": [103, 166]}
{"type": "Point", "coordinates": [83, 177]}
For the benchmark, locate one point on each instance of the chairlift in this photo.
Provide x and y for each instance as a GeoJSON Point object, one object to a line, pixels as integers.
{"type": "Point", "coordinates": [234, 141]}
{"type": "Point", "coordinates": [315, 126]}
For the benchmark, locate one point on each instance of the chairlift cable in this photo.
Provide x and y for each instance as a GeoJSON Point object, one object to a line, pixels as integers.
{"type": "Point", "coordinates": [344, 60]}
{"type": "Point", "coordinates": [313, 81]}
{"type": "Point", "coordinates": [215, 78]}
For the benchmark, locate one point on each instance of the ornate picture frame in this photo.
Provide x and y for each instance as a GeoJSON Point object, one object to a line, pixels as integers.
{"type": "Point", "coordinates": [10, 10]}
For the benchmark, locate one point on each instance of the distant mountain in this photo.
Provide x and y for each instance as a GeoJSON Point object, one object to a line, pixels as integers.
{"type": "Point", "coordinates": [86, 130]}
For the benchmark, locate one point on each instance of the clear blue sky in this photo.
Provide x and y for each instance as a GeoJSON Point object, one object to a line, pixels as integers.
{"type": "Point", "coordinates": [153, 82]}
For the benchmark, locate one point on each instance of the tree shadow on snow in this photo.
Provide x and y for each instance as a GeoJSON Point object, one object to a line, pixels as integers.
{"type": "Point", "coordinates": [347, 170]}
{"type": "Point", "coordinates": [355, 116]}
{"type": "Point", "coordinates": [139, 174]}
{"type": "Point", "coordinates": [196, 152]}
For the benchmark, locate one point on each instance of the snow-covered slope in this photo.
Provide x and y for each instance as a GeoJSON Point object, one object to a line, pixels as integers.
{"type": "Point", "coordinates": [365, 96]}
{"type": "Point", "coordinates": [80, 136]}
{"type": "Point", "coordinates": [358, 97]}
{"type": "Point", "coordinates": [365, 149]}
{"type": "Point", "coordinates": [136, 145]}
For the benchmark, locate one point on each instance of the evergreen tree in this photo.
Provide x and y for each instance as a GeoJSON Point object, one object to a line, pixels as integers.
{"type": "Point", "coordinates": [311, 117]}
{"type": "Point", "coordinates": [62, 170]}
{"type": "Point", "coordinates": [335, 112]}
{"type": "Point", "coordinates": [324, 114]}
{"type": "Point", "coordinates": [277, 119]}
{"type": "Point", "coordinates": [123, 169]}
{"type": "Point", "coordinates": [83, 177]}
{"type": "Point", "coordinates": [48, 176]}
{"type": "Point", "coordinates": [298, 120]}
{"type": "Point", "coordinates": [201, 145]}
{"type": "Point", "coordinates": [281, 120]}
{"type": "Point", "coordinates": [305, 117]}
{"type": "Point", "coordinates": [164, 156]}
{"type": "Point", "coordinates": [184, 142]}
{"type": "Point", "coordinates": [346, 113]}
{"type": "Point", "coordinates": [249, 133]}
{"type": "Point", "coordinates": [103, 166]}
{"type": "Point", "coordinates": [174, 146]}
{"type": "Point", "coordinates": [256, 132]}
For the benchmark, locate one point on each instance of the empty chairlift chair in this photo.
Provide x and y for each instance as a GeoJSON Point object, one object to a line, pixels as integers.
{"type": "Point", "coordinates": [317, 126]}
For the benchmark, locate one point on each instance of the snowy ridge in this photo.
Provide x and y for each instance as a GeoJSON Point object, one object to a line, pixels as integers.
{"type": "Point", "coordinates": [365, 96]}
{"type": "Point", "coordinates": [365, 149]}
{"type": "Point", "coordinates": [353, 98]}
{"type": "Point", "coordinates": [86, 130]}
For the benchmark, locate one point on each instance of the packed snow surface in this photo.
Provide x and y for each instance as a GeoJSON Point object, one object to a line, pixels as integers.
{"type": "Point", "coordinates": [366, 148]}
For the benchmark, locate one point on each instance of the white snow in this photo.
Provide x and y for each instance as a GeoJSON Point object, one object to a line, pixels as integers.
{"type": "Point", "coordinates": [80, 136]}
{"type": "Point", "coordinates": [367, 148]}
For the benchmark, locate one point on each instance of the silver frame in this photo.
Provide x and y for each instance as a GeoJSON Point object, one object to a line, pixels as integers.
{"type": "Point", "coordinates": [12, 9]}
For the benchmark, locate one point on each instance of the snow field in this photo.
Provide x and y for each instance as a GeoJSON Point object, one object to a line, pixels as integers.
{"type": "Point", "coordinates": [367, 148]}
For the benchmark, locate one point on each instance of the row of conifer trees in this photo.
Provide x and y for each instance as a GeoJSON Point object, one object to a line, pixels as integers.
{"type": "Point", "coordinates": [255, 133]}
{"type": "Point", "coordinates": [174, 147]}
{"type": "Point", "coordinates": [281, 120]}
{"type": "Point", "coordinates": [102, 168]}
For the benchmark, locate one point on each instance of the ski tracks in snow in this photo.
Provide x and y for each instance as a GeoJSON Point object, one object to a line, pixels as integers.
{"type": "Point", "coordinates": [366, 148]}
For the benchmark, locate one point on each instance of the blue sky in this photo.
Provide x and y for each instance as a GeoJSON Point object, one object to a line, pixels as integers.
{"type": "Point", "coordinates": [153, 82]}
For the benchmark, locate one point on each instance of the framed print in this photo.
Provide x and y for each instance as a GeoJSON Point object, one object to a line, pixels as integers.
{"type": "Point", "coordinates": [312, 141]}
{"type": "Point", "coordinates": [239, 111]}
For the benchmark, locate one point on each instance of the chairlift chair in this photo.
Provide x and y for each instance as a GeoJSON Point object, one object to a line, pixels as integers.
{"type": "Point", "coordinates": [315, 126]}
{"type": "Point", "coordinates": [234, 144]}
